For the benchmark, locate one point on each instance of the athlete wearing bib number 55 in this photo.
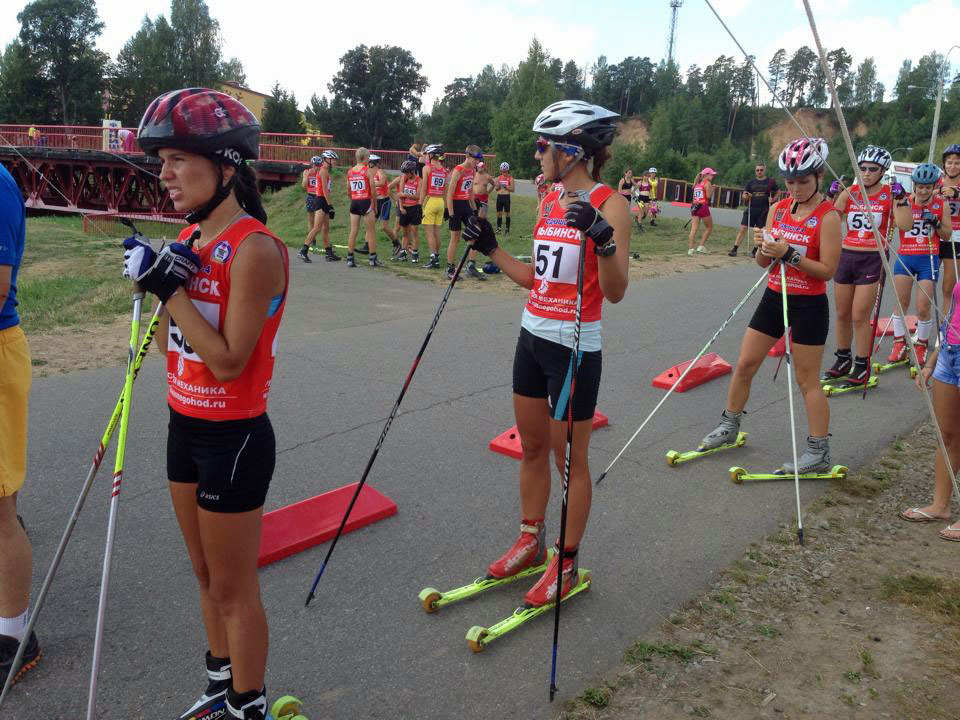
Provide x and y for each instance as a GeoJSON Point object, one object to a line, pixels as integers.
{"type": "Point", "coordinates": [803, 232]}
{"type": "Point", "coordinates": [572, 147]}
{"type": "Point", "coordinates": [219, 333]}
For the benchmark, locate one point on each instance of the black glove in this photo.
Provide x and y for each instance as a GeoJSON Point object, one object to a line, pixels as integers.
{"type": "Point", "coordinates": [930, 219]}
{"type": "Point", "coordinates": [584, 217]}
{"type": "Point", "coordinates": [479, 232]}
{"type": "Point", "coordinates": [897, 190]}
{"type": "Point", "coordinates": [446, 214]}
{"type": "Point", "coordinates": [173, 267]}
{"type": "Point", "coordinates": [330, 212]}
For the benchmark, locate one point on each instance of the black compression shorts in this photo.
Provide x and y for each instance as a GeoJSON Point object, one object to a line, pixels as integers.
{"type": "Point", "coordinates": [359, 207]}
{"type": "Point", "coordinates": [503, 203]}
{"type": "Point", "coordinates": [461, 211]}
{"type": "Point", "coordinates": [412, 215]}
{"type": "Point", "coordinates": [809, 317]}
{"type": "Point", "coordinates": [948, 249]}
{"type": "Point", "coordinates": [230, 461]}
{"type": "Point", "coordinates": [541, 370]}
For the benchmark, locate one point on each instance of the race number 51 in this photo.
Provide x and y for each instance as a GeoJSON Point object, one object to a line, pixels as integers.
{"type": "Point", "coordinates": [556, 261]}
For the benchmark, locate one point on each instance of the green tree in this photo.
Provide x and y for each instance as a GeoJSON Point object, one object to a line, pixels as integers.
{"type": "Point", "coordinates": [776, 70]}
{"type": "Point", "coordinates": [841, 62]}
{"type": "Point", "coordinates": [25, 95]}
{"type": "Point", "coordinates": [571, 82]}
{"type": "Point", "coordinates": [60, 37]}
{"type": "Point", "coordinates": [280, 112]}
{"type": "Point", "coordinates": [865, 83]}
{"type": "Point", "coordinates": [798, 75]}
{"type": "Point", "coordinates": [380, 87]}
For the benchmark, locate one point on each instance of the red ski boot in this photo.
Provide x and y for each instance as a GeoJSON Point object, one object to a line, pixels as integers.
{"type": "Point", "coordinates": [921, 347]}
{"type": "Point", "coordinates": [545, 591]}
{"type": "Point", "coordinates": [529, 549]}
{"type": "Point", "coordinates": [899, 351]}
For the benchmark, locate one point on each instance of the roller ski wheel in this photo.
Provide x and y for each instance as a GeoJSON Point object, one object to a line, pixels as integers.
{"type": "Point", "coordinates": [675, 458]}
{"type": "Point", "coordinates": [739, 475]}
{"type": "Point", "coordinates": [846, 387]}
{"type": "Point", "coordinates": [883, 367]}
{"type": "Point", "coordinates": [432, 600]}
{"type": "Point", "coordinates": [913, 373]}
{"type": "Point", "coordinates": [287, 708]}
{"type": "Point", "coordinates": [479, 638]}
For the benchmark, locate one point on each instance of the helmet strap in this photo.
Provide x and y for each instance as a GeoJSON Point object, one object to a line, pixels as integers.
{"type": "Point", "coordinates": [558, 176]}
{"type": "Point", "coordinates": [952, 177]}
{"type": "Point", "coordinates": [222, 193]}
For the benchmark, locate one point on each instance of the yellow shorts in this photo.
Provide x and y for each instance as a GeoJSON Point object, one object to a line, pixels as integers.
{"type": "Point", "coordinates": [14, 390]}
{"type": "Point", "coordinates": [433, 211]}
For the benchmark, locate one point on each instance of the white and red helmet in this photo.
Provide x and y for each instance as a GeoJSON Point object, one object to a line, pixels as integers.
{"type": "Point", "coordinates": [803, 156]}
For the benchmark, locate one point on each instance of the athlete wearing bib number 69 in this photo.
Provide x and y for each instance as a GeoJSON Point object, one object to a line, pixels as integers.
{"type": "Point", "coordinates": [803, 232]}
{"type": "Point", "coordinates": [219, 333]}
{"type": "Point", "coordinates": [572, 147]}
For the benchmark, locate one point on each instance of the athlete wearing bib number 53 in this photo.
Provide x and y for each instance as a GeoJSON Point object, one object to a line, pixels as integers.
{"type": "Point", "coordinates": [803, 232]}
{"type": "Point", "coordinates": [219, 333]}
{"type": "Point", "coordinates": [572, 147]}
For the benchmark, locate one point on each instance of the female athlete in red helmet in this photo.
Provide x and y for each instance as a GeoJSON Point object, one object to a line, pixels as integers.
{"type": "Point", "coordinates": [803, 233]}
{"type": "Point", "coordinates": [572, 148]}
{"type": "Point", "coordinates": [223, 304]}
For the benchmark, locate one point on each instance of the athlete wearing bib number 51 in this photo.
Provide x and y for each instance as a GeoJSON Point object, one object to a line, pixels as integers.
{"type": "Point", "coordinates": [219, 333]}
{"type": "Point", "coordinates": [860, 267]}
{"type": "Point", "coordinates": [802, 231]}
{"type": "Point", "coordinates": [572, 147]}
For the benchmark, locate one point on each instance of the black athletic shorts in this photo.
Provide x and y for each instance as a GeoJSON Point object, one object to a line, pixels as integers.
{"type": "Point", "coordinates": [503, 203]}
{"type": "Point", "coordinates": [412, 215]}
{"type": "Point", "coordinates": [756, 219]}
{"type": "Point", "coordinates": [359, 207]}
{"type": "Point", "coordinates": [231, 461]}
{"type": "Point", "coordinates": [461, 211]}
{"type": "Point", "coordinates": [312, 205]}
{"type": "Point", "coordinates": [858, 267]}
{"type": "Point", "coordinates": [809, 317]}
{"type": "Point", "coordinates": [541, 369]}
{"type": "Point", "coordinates": [947, 249]}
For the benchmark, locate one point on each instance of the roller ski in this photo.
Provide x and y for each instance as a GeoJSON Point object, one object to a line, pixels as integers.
{"type": "Point", "coordinates": [739, 475]}
{"type": "Point", "coordinates": [539, 599]}
{"type": "Point", "coordinates": [814, 464]}
{"type": "Point", "coordinates": [883, 367]}
{"type": "Point", "coordinates": [526, 557]}
{"type": "Point", "coordinates": [848, 385]}
{"type": "Point", "coordinates": [676, 458]}
{"type": "Point", "coordinates": [286, 708]}
{"type": "Point", "coordinates": [841, 368]}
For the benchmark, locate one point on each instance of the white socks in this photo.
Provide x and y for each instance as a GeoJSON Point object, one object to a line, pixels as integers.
{"type": "Point", "coordinates": [899, 328]}
{"type": "Point", "coordinates": [923, 329]}
{"type": "Point", "coordinates": [14, 627]}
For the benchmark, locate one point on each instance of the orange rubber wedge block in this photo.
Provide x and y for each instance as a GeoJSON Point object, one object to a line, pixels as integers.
{"type": "Point", "coordinates": [508, 442]}
{"type": "Point", "coordinates": [885, 325]}
{"type": "Point", "coordinates": [296, 527]}
{"type": "Point", "coordinates": [708, 367]}
{"type": "Point", "coordinates": [780, 348]}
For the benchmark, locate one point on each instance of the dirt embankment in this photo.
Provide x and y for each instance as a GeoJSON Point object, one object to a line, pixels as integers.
{"type": "Point", "coordinates": [633, 130]}
{"type": "Point", "coordinates": [816, 122]}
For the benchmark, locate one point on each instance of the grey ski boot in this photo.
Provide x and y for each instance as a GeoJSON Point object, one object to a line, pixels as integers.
{"type": "Point", "coordinates": [725, 433]}
{"type": "Point", "coordinates": [815, 459]}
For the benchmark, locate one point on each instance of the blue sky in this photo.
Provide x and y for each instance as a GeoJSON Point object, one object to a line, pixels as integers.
{"type": "Point", "coordinates": [300, 43]}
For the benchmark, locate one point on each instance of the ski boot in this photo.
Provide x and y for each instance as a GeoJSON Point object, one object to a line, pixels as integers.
{"type": "Point", "coordinates": [653, 223]}
{"type": "Point", "coordinates": [400, 256]}
{"type": "Point", "coordinates": [702, 250]}
{"type": "Point", "coordinates": [726, 433]}
{"type": "Point", "coordinates": [858, 379]}
{"type": "Point", "coordinates": [433, 263]}
{"type": "Point", "coordinates": [451, 271]}
{"type": "Point", "coordinates": [545, 591]}
{"type": "Point", "coordinates": [330, 256]}
{"type": "Point", "coordinates": [473, 272]}
{"type": "Point", "coordinates": [247, 706]}
{"type": "Point", "coordinates": [920, 346]}
{"type": "Point", "coordinates": [364, 249]}
{"type": "Point", "coordinates": [303, 255]}
{"type": "Point", "coordinates": [815, 459]}
{"type": "Point", "coordinates": [733, 251]}
{"type": "Point", "coordinates": [351, 263]}
{"type": "Point", "coordinates": [529, 549]}
{"type": "Point", "coordinates": [841, 367]}
{"type": "Point", "coordinates": [397, 249]}
{"type": "Point", "coordinates": [8, 651]}
{"type": "Point", "coordinates": [415, 257]}
{"type": "Point", "coordinates": [899, 351]}
{"type": "Point", "coordinates": [498, 230]}
{"type": "Point", "coordinates": [212, 703]}
{"type": "Point", "coordinates": [374, 262]}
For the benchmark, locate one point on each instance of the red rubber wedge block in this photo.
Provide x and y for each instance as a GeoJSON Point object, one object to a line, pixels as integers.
{"type": "Point", "coordinates": [708, 367]}
{"type": "Point", "coordinates": [296, 527]}
{"type": "Point", "coordinates": [780, 348]}
{"type": "Point", "coordinates": [885, 325]}
{"type": "Point", "coordinates": [508, 442]}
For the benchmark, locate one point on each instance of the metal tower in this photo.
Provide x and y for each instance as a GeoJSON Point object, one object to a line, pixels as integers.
{"type": "Point", "coordinates": [674, 6]}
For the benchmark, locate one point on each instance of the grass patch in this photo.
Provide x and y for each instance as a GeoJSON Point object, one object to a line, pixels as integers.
{"type": "Point", "coordinates": [867, 484]}
{"type": "Point", "coordinates": [642, 652]}
{"type": "Point", "coordinates": [933, 594]}
{"type": "Point", "coordinates": [598, 697]}
{"type": "Point", "coordinates": [767, 631]}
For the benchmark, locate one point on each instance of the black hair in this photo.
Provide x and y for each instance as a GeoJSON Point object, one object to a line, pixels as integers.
{"type": "Point", "coordinates": [248, 195]}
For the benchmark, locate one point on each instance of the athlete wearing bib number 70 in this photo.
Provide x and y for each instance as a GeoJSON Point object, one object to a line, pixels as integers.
{"type": "Point", "coordinates": [573, 138]}
{"type": "Point", "coordinates": [220, 336]}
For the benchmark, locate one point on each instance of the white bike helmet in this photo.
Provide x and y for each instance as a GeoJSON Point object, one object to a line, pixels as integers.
{"type": "Point", "coordinates": [374, 159]}
{"type": "Point", "coordinates": [877, 155]}
{"type": "Point", "coordinates": [434, 149]}
{"type": "Point", "coordinates": [316, 160]}
{"type": "Point", "coordinates": [803, 157]}
{"type": "Point", "coordinates": [652, 171]}
{"type": "Point", "coordinates": [504, 166]}
{"type": "Point", "coordinates": [329, 155]}
{"type": "Point", "coordinates": [577, 122]}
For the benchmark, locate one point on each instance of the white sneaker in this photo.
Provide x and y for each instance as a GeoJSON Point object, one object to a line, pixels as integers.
{"type": "Point", "coordinates": [702, 249]}
{"type": "Point", "coordinates": [690, 251]}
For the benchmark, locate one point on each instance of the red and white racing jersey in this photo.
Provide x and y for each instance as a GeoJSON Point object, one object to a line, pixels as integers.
{"type": "Point", "coordinates": [436, 179]}
{"type": "Point", "coordinates": [804, 237]}
{"type": "Point", "coordinates": [358, 182]}
{"type": "Point", "coordinates": [921, 238]}
{"type": "Point", "coordinates": [860, 223]}
{"type": "Point", "coordinates": [410, 192]}
{"type": "Point", "coordinates": [464, 182]}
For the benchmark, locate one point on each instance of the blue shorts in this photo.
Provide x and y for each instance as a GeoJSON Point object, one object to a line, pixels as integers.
{"type": "Point", "coordinates": [917, 266]}
{"type": "Point", "coordinates": [948, 365]}
{"type": "Point", "coordinates": [383, 208]}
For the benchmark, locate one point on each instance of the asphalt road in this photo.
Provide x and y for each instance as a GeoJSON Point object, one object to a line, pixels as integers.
{"type": "Point", "coordinates": [365, 649]}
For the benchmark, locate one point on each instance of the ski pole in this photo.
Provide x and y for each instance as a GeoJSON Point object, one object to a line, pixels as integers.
{"type": "Point", "coordinates": [114, 501]}
{"type": "Point", "coordinates": [104, 443]}
{"type": "Point", "coordinates": [677, 382]}
{"type": "Point", "coordinates": [561, 550]}
{"type": "Point", "coordinates": [873, 328]}
{"type": "Point", "coordinates": [390, 417]}
{"type": "Point", "coordinates": [788, 354]}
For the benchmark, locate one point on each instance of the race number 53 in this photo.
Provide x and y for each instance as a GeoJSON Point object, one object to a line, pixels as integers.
{"type": "Point", "coordinates": [556, 261]}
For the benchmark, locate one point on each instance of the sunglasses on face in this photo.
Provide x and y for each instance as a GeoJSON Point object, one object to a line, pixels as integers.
{"type": "Point", "coordinates": [542, 146]}
{"type": "Point", "coordinates": [759, 170]}
{"type": "Point", "coordinates": [870, 168]}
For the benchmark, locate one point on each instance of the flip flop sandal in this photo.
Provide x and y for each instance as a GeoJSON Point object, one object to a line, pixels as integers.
{"type": "Point", "coordinates": [911, 516]}
{"type": "Point", "coordinates": [950, 538]}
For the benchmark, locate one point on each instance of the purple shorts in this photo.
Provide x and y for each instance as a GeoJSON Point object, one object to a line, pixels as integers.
{"type": "Point", "coordinates": [702, 212]}
{"type": "Point", "coordinates": [858, 267]}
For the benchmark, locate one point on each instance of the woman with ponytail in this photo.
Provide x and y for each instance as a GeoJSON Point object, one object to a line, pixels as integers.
{"type": "Point", "coordinates": [223, 301]}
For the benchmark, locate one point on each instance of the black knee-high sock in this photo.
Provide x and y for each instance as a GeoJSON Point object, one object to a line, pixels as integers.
{"type": "Point", "coordinates": [508, 223]}
{"type": "Point", "coordinates": [499, 221]}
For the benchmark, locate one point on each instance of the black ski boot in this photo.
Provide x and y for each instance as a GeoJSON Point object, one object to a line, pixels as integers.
{"type": "Point", "coordinates": [859, 375]}
{"type": "Point", "coordinates": [304, 255]}
{"type": "Point", "coordinates": [841, 367]}
{"type": "Point", "coordinates": [330, 255]}
{"type": "Point", "coordinates": [213, 703]}
{"type": "Point", "coordinates": [415, 257]}
{"type": "Point", "coordinates": [363, 249]}
{"type": "Point", "coordinates": [450, 271]}
{"type": "Point", "coordinates": [473, 272]}
{"type": "Point", "coordinates": [733, 251]}
{"type": "Point", "coordinates": [374, 263]}
{"type": "Point", "coordinates": [351, 263]}
{"type": "Point", "coordinates": [246, 706]}
{"type": "Point", "coordinates": [434, 263]}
